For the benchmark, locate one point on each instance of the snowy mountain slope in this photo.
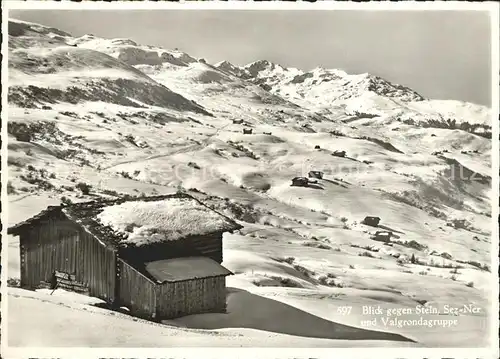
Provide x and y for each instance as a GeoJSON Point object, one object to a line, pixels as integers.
{"type": "Point", "coordinates": [24, 33]}
{"type": "Point", "coordinates": [195, 79]}
{"type": "Point", "coordinates": [362, 95]}
{"type": "Point", "coordinates": [332, 84]}
{"type": "Point", "coordinates": [71, 74]}
{"type": "Point", "coordinates": [132, 53]}
{"type": "Point", "coordinates": [110, 118]}
{"type": "Point", "coordinates": [272, 74]}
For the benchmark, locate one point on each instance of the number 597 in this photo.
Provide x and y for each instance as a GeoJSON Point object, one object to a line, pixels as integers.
{"type": "Point", "coordinates": [344, 310]}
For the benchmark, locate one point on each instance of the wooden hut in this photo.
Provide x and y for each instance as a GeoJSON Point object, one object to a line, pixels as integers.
{"type": "Point", "coordinates": [247, 131]}
{"type": "Point", "coordinates": [300, 182]}
{"type": "Point", "coordinates": [158, 256]}
{"type": "Point", "coordinates": [24, 137]}
{"type": "Point", "coordinates": [315, 174]}
{"type": "Point", "coordinates": [371, 221]}
{"type": "Point", "coordinates": [382, 236]}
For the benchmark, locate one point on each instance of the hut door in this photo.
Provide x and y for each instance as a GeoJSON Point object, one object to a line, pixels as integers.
{"type": "Point", "coordinates": [69, 249]}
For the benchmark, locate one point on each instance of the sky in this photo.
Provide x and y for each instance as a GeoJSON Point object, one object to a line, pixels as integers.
{"type": "Point", "coordinates": [440, 54]}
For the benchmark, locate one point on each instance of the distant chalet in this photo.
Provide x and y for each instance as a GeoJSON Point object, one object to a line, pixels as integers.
{"type": "Point", "coordinates": [371, 221]}
{"type": "Point", "coordinates": [158, 256]}
{"type": "Point", "coordinates": [315, 174]}
{"type": "Point", "coordinates": [300, 182]}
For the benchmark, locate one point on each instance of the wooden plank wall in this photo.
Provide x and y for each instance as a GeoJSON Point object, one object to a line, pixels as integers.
{"type": "Point", "coordinates": [60, 245]}
{"type": "Point", "coordinates": [23, 262]}
{"type": "Point", "coordinates": [96, 267]}
{"type": "Point", "coordinates": [45, 249]}
{"type": "Point", "coordinates": [191, 297]}
{"type": "Point", "coordinates": [207, 246]}
{"type": "Point", "coordinates": [204, 246]}
{"type": "Point", "coordinates": [136, 291]}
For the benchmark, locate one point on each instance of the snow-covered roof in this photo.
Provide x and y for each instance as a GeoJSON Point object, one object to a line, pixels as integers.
{"type": "Point", "coordinates": [186, 268]}
{"type": "Point", "coordinates": [140, 221]}
{"type": "Point", "coordinates": [169, 219]}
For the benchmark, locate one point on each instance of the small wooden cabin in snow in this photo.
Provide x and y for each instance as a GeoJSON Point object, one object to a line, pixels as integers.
{"type": "Point", "coordinates": [315, 174]}
{"type": "Point", "coordinates": [158, 256]}
{"type": "Point", "coordinates": [371, 221]}
{"type": "Point", "coordinates": [300, 182]}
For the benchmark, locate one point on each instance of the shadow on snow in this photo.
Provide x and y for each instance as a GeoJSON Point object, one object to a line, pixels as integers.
{"type": "Point", "coordinates": [247, 310]}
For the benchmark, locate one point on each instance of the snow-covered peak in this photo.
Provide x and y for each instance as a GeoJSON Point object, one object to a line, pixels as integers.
{"type": "Point", "coordinates": [321, 87]}
{"type": "Point", "coordinates": [234, 70]}
{"type": "Point", "coordinates": [388, 89]}
{"type": "Point", "coordinates": [20, 27]}
{"type": "Point", "coordinates": [123, 42]}
{"type": "Point", "coordinates": [226, 65]}
{"type": "Point", "coordinates": [255, 68]}
{"type": "Point", "coordinates": [23, 35]}
{"type": "Point", "coordinates": [259, 63]}
{"type": "Point", "coordinates": [130, 52]}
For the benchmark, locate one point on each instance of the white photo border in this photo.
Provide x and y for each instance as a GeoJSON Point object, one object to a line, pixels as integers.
{"type": "Point", "coordinates": [219, 353]}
